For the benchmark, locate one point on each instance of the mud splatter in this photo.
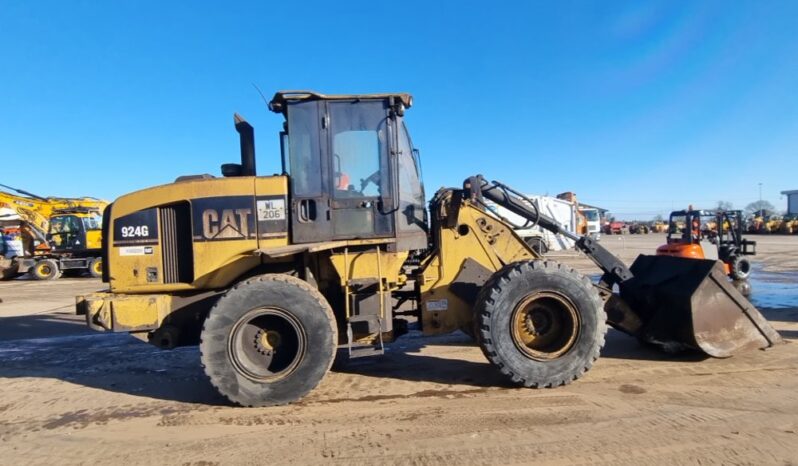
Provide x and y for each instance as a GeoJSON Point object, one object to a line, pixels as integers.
{"type": "Point", "coordinates": [422, 394]}
{"type": "Point", "coordinates": [83, 418]}
{"type": "Point", "coordinates": [631, 389]}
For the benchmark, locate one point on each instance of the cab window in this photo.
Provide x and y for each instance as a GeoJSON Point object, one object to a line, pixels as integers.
{"type": "Point", "coordinates": [65, 231]}
{"type": "Point", "coordinates": [356, 163]}
{"type": "Point", "coordinates": [358, 137]}
{"type": "Point", "coordinates": [303, 147]}
{"type": "Point", "coordinates": [411, 191]}
{"type": "Point", "coordinates": [93, 222]}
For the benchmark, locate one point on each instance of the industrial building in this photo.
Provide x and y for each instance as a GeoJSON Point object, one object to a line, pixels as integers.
{"type": "Point", "coordinates": [792, 201]}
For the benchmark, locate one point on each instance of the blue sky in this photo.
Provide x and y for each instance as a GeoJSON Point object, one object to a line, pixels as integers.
{"type": "Point", "coordinates": [639, 107]}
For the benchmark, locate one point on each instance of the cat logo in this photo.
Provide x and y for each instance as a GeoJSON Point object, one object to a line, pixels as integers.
{"type": "Point", "coordinates": [232, 218]}
{"type": "Point", "coordinates": [226, 224]}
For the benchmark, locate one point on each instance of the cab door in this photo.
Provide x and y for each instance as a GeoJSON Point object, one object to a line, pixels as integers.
{"type": "Point", "coordinates": [67, 233]}
{"type": "Point", "coordinates": [359, 141]}
{"type": "Point", "coordinates": [306, 163]}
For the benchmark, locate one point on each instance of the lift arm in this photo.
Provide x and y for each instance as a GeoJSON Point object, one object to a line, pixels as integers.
{"type": "Point", "coordinates": [614, 270]}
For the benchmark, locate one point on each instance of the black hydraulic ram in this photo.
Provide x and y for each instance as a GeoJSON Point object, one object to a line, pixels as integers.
{"type": "Point", "coordinates": [615, 271]}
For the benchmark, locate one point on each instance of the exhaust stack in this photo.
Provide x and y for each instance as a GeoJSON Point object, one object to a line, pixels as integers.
{"type": "Point", "coordinates": [247, 136]}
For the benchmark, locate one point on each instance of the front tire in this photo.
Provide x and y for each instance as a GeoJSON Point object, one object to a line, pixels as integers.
{"type": "Point", "coordinates": [46, 269]}
{"type": "Point", "coordinates": [268, 341]}
{"type": "Point", "coordinates": [540, 323]}
{"type": "Point", "coordinates": [740, 268]}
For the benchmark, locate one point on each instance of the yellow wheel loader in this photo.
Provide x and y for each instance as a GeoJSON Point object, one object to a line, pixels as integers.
{"type": "Point", "coordinates": [271, 275]}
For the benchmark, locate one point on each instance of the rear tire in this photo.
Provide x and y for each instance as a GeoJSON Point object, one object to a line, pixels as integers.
{"type": "Point", "coordinates": [268, 341]}
{"type": "Point", "coordinates": [740, 268]}
{"type": "Point", "coordinates": [46, 269]}
{"type": "Point", "coordinates": [540, 323]}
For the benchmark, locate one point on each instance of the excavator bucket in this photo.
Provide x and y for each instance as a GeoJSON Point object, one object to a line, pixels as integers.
{"type": "Point", "coordinates": [690, 303]}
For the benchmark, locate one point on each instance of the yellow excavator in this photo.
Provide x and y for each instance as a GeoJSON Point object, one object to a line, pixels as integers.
{"type": "Point", "coordinates": [57, 234]}
{"type": "Point", "coordinates": [274, 275]}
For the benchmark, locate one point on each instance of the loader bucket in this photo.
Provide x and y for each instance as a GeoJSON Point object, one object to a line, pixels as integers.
{"type": "Point", "coordinates": [691, 303]}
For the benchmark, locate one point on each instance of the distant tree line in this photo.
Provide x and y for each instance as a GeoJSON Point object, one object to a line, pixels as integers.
{"type": "Point", "coordinates": [752, 209]}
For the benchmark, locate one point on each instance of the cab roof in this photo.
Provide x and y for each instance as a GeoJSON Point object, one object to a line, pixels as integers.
{"type": "Point", "coordinates": [280, 98]}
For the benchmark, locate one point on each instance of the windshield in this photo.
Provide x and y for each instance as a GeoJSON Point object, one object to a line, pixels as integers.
{"type": "Point", "coordinates": [411, 190]}
{"type": "Point", "coordinates": [677, 223]}
{"type": "Point", "coordinates": [591, 215]}
{"type": "Point", "coordinates": [93, 222]}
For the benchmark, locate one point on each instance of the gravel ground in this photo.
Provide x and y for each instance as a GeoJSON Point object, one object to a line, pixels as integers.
{"type": "Point", "coordinates": [68, 395]}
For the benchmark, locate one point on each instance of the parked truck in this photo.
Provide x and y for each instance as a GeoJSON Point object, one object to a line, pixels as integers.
{"type": "Point", "coordinates": [565, 212]}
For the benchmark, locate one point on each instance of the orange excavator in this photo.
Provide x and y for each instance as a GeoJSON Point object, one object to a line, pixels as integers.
{"type": "Point", "coordinates": [725, 243]}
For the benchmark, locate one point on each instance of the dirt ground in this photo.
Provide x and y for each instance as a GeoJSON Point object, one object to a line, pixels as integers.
{"type": "Point", "coordinates": [68, 395]}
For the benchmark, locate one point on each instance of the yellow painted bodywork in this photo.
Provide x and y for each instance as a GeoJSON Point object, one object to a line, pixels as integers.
{"type": "Point", "coordinates": [369, 264]}
{"type": "Point", "coordinates": [465, 233]}
{"type": "Point", "coordinates": [94, 239]}
{"type": "Point", "coordinates": [217, 264]}
{"type": "Point", "coordinates": [124, 313]}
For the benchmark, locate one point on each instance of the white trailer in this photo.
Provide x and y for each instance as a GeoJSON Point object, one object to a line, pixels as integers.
{"type": "Point", "coordinates": [562, 211]}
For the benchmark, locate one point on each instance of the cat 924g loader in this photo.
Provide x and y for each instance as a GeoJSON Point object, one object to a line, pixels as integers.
{"type": "Point", "coordinates": [272, 275]}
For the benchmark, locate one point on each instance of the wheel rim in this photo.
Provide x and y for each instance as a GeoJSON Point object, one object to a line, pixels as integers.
{"type": "Point", "coordinates": [97, 267]}
{"type": "Point", "coordinates": [45, 270]}
{"type": "Point", "coordinates": [267, 344]}
{"type": "Point", "coordinates": [545, 325]}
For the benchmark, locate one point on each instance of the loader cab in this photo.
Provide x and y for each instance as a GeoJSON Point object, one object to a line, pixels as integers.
{"type": "Point", "coordinates": [353, 171]}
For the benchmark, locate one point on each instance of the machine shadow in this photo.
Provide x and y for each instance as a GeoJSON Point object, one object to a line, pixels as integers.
{"type": "Point", "coordinates": [405, 360]}
{"type": "Point", "coordinates": [122, 364]}
{"type": "Point", "coordinates": [621, 346]}
{"type": "Point", "coordinates": [41, 326]}
{"type": "Point", "coordinates": [113, 362]}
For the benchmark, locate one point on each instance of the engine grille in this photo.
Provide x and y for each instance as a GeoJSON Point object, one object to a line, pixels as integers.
{"type": "Point", "coordinates": [176, 244]}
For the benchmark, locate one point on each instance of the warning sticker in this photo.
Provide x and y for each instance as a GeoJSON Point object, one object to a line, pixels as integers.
{"type": "Point", "coordinates": [438, 305]}
{"type": "Point", "coordinates": [135, 250]}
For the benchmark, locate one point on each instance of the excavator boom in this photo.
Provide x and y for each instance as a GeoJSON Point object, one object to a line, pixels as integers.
{"type": "Point", "coordinates": [72, 246]}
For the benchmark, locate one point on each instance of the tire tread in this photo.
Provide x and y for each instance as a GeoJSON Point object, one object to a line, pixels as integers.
{"type": "Point", "coordinates": [485, 306]}
{"type": "Point", "coordinates": [208, 333]}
